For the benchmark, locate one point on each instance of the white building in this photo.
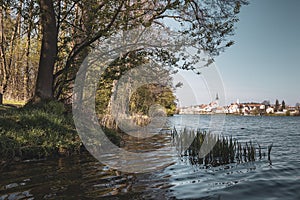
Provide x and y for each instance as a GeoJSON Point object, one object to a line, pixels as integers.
{"type": "Point", "coordinates": [233, 108]}
{"type": "Point", "coordinates": [270, 110]}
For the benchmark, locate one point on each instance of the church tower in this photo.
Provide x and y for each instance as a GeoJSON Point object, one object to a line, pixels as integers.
{"type": "Point", "coordinates": [217, 99]}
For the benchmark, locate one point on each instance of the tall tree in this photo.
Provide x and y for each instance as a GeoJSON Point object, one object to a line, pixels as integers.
{"type": "Point", "coordinates": [282, 105]}
{"type": "Point", "coordinates": [44, 83]}
{"type": "Point", "coordinates": [276, 105]}
{"type": "Point", "coordinates": [4, 71]}
{"type": "Point", "coordinates": [27, 91]}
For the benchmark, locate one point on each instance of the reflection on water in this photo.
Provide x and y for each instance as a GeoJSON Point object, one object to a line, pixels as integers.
{"type": "Point", "coordinates": [62, 178]}
{"type": "Point", "coordinates": [83, 177]}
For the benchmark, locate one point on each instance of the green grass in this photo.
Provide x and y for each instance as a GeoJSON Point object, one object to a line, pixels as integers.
{"type": "Point", "coordinates": [38, 131]}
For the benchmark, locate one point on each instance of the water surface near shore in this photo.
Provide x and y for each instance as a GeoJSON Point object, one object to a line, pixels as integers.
{"type": "Point", "coordinates": [83, 177]}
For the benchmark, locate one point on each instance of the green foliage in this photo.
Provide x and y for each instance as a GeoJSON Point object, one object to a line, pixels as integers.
{"type": "Point", "coordinates": [283, 105]}
{"type": "Point", "coordinates": [140, 100]}
{"type": "Point", "coordinates": [276, 105]}
{"type": "Point", "coordinates": [152, 94]}
{"type": "Point", "coordinates": [103, 96]}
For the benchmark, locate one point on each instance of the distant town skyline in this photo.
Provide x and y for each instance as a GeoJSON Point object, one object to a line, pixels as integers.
{"type": "Point", "coordinates": [242, 108]}
{"type": "Point", "coordinates": [238, 101]}
{"type": "Point", "coordinates": [263, 64]}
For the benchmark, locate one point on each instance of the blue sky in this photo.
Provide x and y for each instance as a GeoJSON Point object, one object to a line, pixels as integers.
{"type": "Point", "coordinates": [264, 63]}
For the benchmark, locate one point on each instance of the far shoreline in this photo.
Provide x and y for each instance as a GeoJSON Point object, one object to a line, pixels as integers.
{"type": "Point", "coordinates": [249, 115]}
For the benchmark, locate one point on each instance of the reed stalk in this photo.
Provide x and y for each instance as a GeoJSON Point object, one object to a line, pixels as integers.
{"type": "Point", "coordinates": [225, 151]}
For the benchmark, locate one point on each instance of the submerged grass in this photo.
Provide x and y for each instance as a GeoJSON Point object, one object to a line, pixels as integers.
{"type": "Point", "coordinates": [224, 150]}
{"type": "Point", "coordinates": [40, 130]}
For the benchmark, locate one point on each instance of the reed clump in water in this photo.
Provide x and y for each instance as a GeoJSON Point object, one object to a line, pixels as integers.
{"type": "Point", "coordinates": [223, 150]}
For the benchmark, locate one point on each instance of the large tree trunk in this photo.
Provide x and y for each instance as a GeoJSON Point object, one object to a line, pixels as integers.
{"type": "Point", "coordinates": [27, 87]}
{"type": "Point", "coordinates": [44, 84]}
{"type": "Point", "coordinates": [4, 76]}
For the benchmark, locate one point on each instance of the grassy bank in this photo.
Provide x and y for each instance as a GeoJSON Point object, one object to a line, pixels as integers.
{"type": "Point", "coordinates": [39, 131]}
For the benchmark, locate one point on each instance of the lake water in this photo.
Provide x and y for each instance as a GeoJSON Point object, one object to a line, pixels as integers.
{"type": "Point", "coordinates": [83, 177]}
